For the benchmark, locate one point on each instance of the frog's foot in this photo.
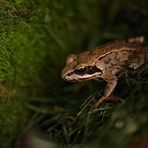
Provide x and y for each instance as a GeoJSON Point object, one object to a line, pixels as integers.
{"type": "Point", "coordinates": [138, 69]}
{"type": "Point", "coordinates": [136, 40]}
{"type": "Point", "coordinates": [133, 65]}
{"type": "Point", "coordinates": [101, 101]}
{"type": "Point", "coordinates": [105, 99]}
{"type": "Point", "coordinates": [142, 68]}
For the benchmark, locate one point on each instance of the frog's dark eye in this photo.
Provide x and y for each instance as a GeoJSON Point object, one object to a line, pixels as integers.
{"type": "Point", "coordinates": [93, 69]}
{"type": "Point", "coordinates": [88, 70]}
{"type": "Point", "coordinates": [81, 71]}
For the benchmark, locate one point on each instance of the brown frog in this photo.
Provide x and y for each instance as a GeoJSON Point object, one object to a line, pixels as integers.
{"type": "Point", "coordinates": [106, 61]}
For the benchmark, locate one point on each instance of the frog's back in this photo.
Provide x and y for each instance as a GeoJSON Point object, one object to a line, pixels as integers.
{"type": "Point", "coordinates": [112, 50]}
{"type": "Point", "coordinates": [111, 47]}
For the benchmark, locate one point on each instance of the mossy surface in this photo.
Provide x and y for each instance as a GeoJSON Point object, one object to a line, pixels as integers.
{"type": "Point", "coordinates": [35, 38]}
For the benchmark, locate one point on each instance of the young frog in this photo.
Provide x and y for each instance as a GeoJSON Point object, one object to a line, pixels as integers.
{"type": "Point", "coordinates": [107, 61]}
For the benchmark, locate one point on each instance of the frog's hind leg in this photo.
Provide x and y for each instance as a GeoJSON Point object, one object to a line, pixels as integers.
{"type": "Point", "coordinates": [136, 40]}
{"type": "Point", "coordinates": [138, 59]}
{"type": "Point", "coordinates": [141, 69]}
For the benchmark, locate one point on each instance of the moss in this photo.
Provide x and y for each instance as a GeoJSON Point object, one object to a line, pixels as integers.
{"type": "Point", "coordinates": [13, 119]}
{"type": "Point", "coordinates": [34, 38]}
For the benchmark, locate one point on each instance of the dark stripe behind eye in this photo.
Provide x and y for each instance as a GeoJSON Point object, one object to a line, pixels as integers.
{"type": "Point", "coordinates": [87, 70]}
{"type": "Point", "coordinates": [93, 69]}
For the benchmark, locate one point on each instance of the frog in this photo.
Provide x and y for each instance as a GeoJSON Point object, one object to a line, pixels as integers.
{"type": "Point", "coordinates": [107, 62]}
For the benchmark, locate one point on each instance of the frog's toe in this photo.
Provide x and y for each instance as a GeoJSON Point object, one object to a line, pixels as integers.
{"type": "Point", "coordinates": [116, 98]}
{"type": "Point", "coordinates": [101, 101]}
{"type": "Point", "coordinates": [134, 65]}
{"type": "Point", "coordinates": [111, 98]}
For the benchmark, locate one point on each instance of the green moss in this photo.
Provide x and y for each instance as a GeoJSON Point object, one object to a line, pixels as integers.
{"type": "Point", "coordinates": [34, 38]}
{"type": "Point", "coordinates": [13, 119]}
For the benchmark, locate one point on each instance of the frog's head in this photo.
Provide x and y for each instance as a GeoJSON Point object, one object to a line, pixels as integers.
{"type": "Point", "coordinates": [80, 68]}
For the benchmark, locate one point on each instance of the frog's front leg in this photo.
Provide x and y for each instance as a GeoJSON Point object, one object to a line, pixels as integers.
{"type": "Point", "coordinates": [111, 83]}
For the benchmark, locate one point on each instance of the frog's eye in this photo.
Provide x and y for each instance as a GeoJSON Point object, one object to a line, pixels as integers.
{"type": "Point", "coordinates": [81, 71]}
{"type": "Point", "coordinates": [88, 70]}
{"type": "Point", "coordinates": [93, 69]}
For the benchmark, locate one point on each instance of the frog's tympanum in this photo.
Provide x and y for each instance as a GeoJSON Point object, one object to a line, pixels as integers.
{"type": "Point", "coordinates": [107, 62]}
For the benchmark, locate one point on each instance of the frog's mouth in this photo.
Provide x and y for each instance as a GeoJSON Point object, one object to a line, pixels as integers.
{"type": "Point", "coordinates": [78, 78]}
{"type": "Point", "coordinates": [83, 73]}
